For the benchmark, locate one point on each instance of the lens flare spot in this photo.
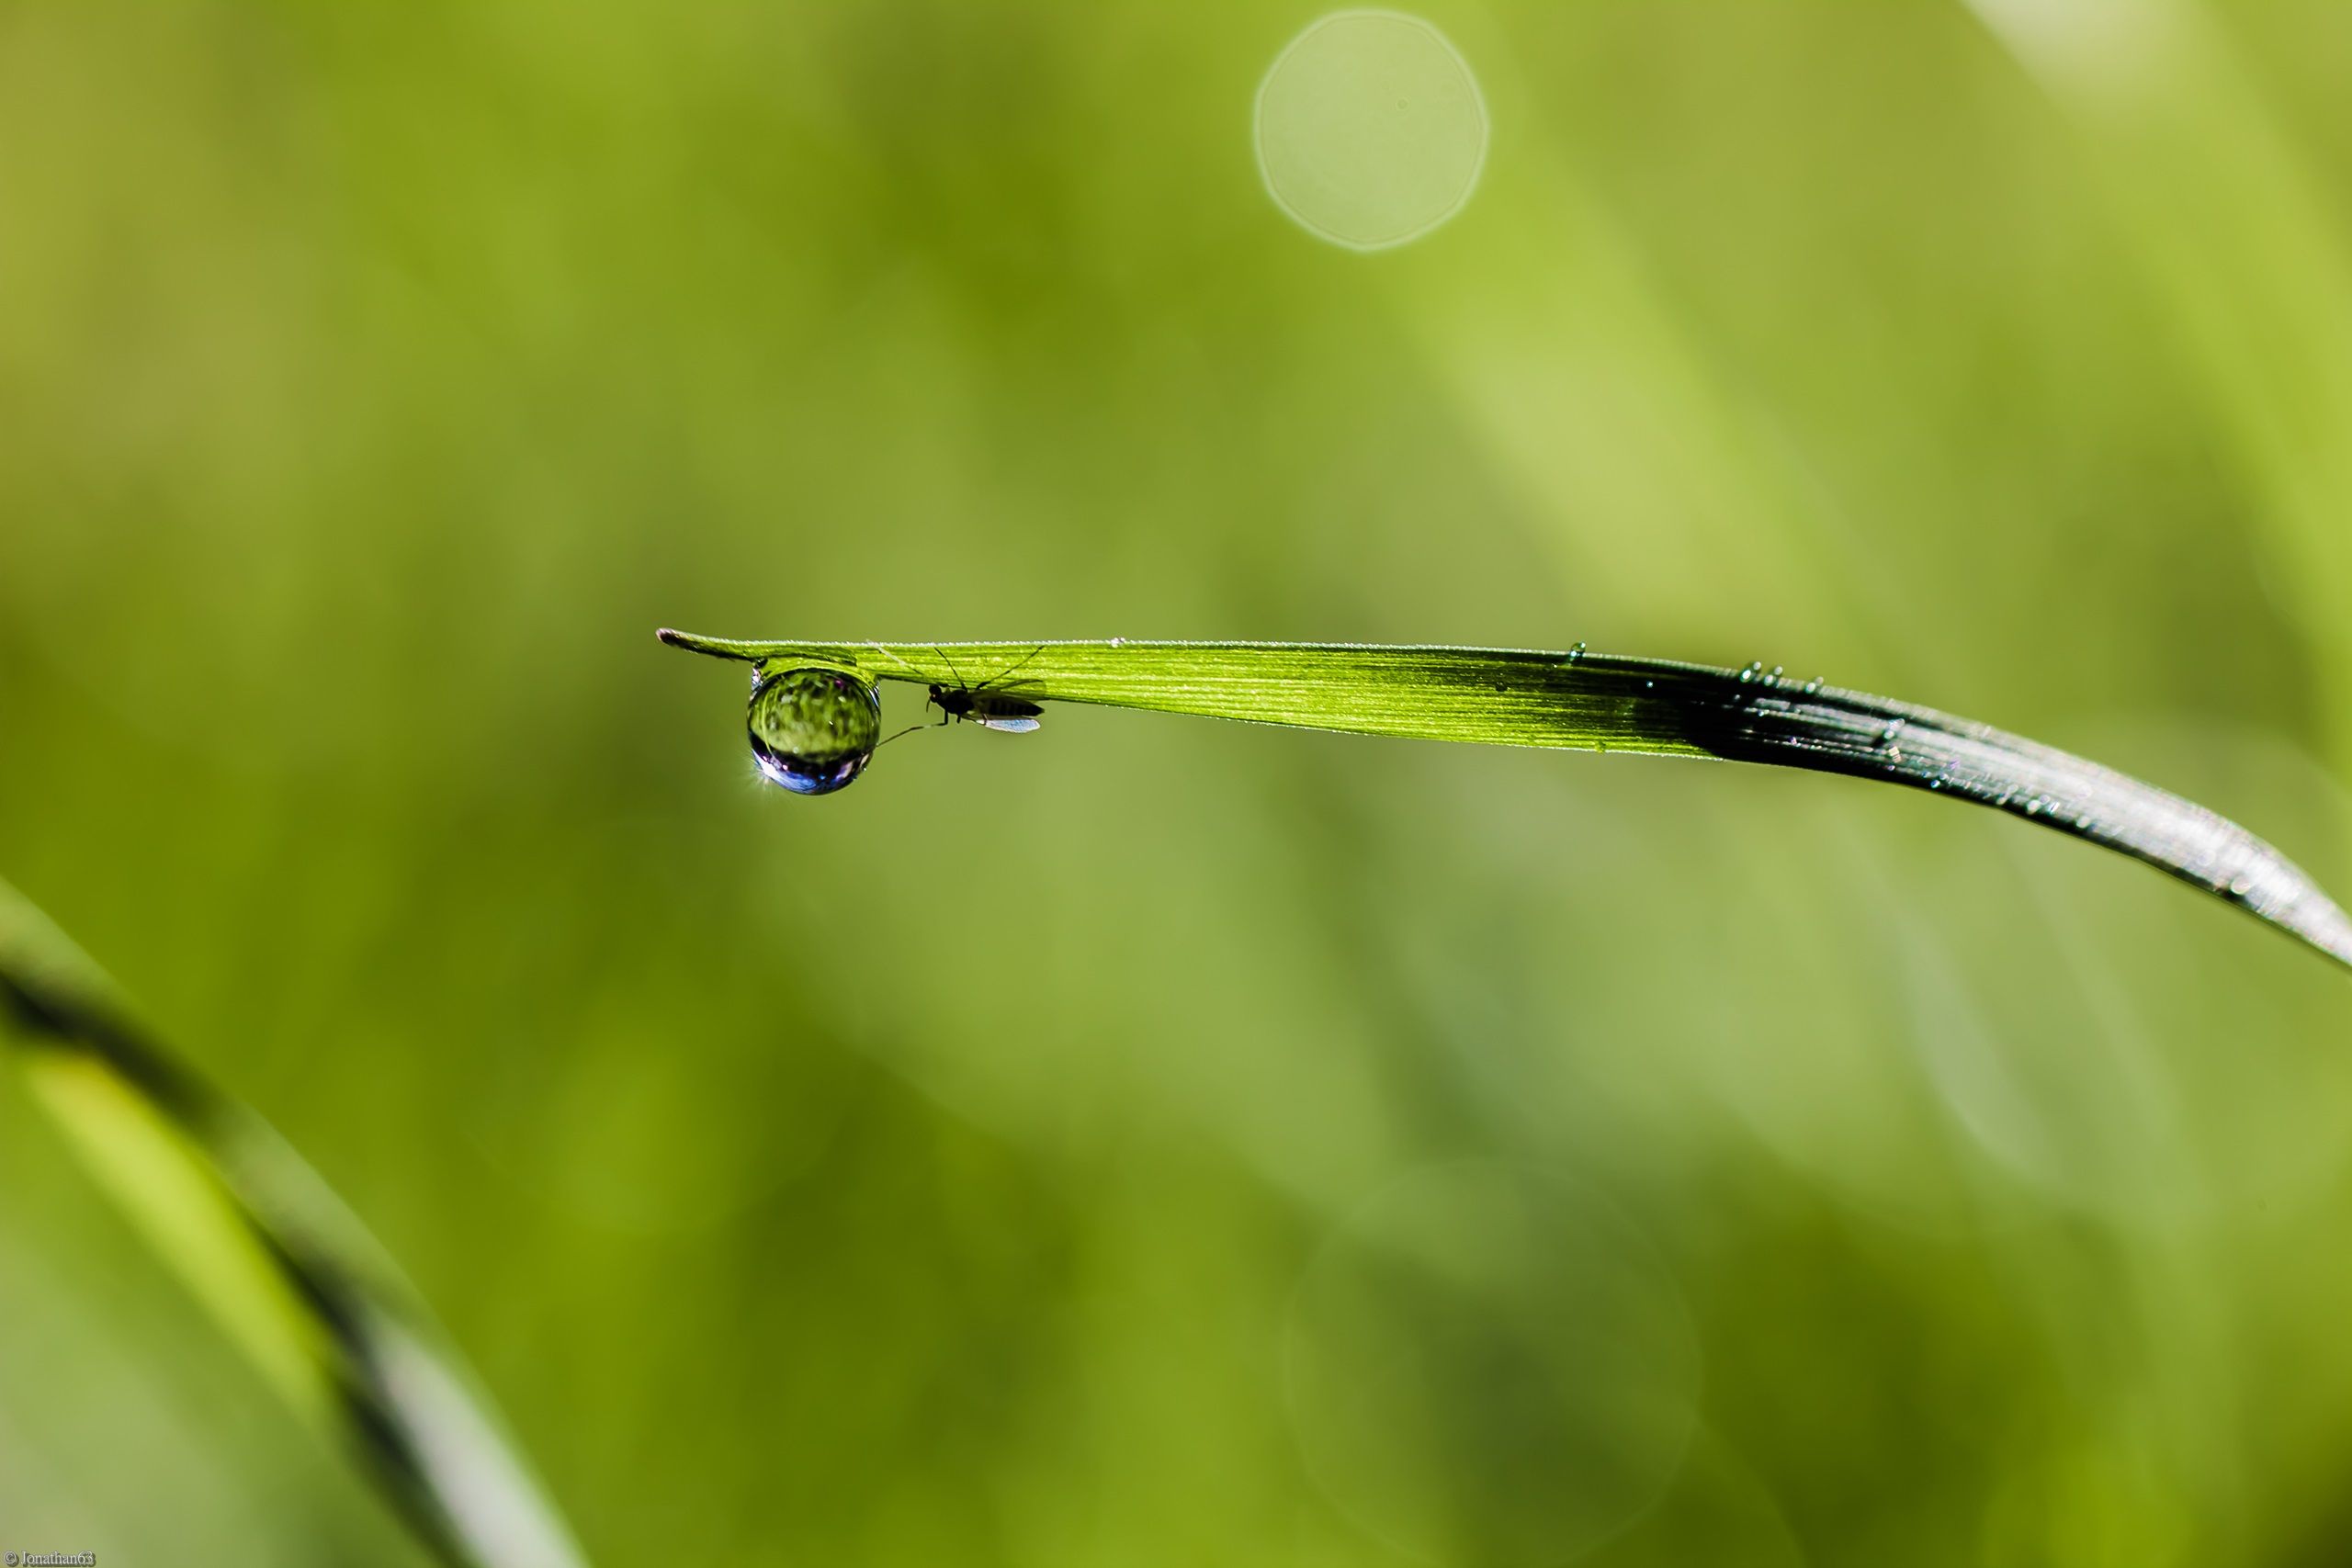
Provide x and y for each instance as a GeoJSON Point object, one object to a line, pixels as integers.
{"type": "Point", "coordinates": [1371, 130]}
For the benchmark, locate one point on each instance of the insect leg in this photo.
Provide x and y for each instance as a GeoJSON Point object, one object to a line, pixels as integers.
{"type": "Point", "coordinates": [997, 681]}
{"type": "Point", "coordinates": [907, 731]}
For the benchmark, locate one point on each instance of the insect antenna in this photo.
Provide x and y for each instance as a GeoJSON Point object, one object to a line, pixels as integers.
{"type": "Point", "coordinates": [961, 684]}
{"type": "Point", "coordinates": [896, 661]}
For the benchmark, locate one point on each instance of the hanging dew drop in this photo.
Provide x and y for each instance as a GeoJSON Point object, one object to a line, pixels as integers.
{"type": "Point", "coordinates": [813, 730]}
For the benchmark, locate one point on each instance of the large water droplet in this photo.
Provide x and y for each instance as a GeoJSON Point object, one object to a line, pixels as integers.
{"type": "Point", "coordinates": [813, 730]}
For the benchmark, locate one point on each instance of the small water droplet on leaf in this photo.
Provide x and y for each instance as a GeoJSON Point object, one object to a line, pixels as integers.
{"type": "Point", "coordinates": [813, 730]}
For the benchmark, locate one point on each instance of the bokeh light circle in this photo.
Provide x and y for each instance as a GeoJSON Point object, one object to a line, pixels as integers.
{"type": "Point", "coordinates": [1369, 128]}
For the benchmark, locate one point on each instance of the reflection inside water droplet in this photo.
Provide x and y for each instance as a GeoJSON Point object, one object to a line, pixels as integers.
{"type": "Point", "coordinates": [813, 730]}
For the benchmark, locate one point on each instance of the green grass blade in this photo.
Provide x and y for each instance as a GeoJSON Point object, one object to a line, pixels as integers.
{"type": "Point", "coordinates": [284, 1267]}
{"type": "Point", "coordinates": [1607, 703]}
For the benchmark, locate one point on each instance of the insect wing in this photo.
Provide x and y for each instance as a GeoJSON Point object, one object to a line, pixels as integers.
{"type": "Point", "coordinates": [1011, 724]}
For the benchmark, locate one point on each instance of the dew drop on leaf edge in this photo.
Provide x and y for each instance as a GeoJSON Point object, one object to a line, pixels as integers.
{"type": "Point", "coordinates": [812, 729]}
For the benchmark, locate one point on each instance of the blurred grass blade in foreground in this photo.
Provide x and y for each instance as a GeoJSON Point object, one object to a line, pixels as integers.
{"type": "Point", "coordinates": [1595, 702]}
{"type": "Point", "coordinates": [275, 1255]}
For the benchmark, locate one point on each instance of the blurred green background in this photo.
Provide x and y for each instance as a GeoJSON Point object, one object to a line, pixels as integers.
{"type": "Point", "coordinates": [1155, 1142]}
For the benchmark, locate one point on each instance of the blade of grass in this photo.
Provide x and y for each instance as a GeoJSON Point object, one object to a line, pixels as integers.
{"type": "Point", "coordinates": [286, 1271]}
{"type": "Point", "coordinates": [1594, 702]}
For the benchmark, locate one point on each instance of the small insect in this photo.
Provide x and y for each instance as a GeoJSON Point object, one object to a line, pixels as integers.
{"type": "Point", "coordinates": [988, 704]}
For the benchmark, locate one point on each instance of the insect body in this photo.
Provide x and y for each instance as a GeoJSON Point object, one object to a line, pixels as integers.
{"type": "Point", "coordinates": [988, 704]}
{"type": "Point", "coordinates": [991, 710]}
